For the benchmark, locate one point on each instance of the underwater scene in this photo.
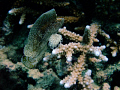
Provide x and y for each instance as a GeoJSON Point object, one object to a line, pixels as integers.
{"type": "Point", "coordinates": [59, 44]}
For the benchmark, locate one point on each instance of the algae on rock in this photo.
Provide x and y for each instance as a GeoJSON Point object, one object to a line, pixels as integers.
{"type": "Point", "coordinates": [46, 25]}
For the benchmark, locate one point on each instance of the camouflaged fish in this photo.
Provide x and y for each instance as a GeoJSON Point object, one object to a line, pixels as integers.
{"type": "Point", "coordinates": [46, 25]}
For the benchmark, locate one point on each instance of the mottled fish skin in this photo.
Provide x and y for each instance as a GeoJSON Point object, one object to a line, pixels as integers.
{"type": "Point", "coordinates": [43, 28]}
{"type": "Point", "coordinates": [29, 62]}
{"type": "Point", "coordinates": [37, 32]}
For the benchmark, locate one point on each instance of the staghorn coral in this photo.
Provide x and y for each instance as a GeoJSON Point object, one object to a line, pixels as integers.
{"type": "Point", "coordinates": [20, 11]}
{"type": "Point", "coordinates": [23, 11]}
{"type": "Point", "coordinates": [62, 67]}
{"type": "Point", "coordinates": [103, 75]}
{"type": "Point", "coordinates": [69, 19]}
{"type": "Point", "coordinates": [116, 47]}
{"type": "Point", "coordinates": [116, 88]}
{"type": "Point", "coordinates": [114, 42]}
{"type": "Point", "coordinates": [106, 86]}
{"type": "Point", "coordinates": [84, 46]}
{"type": "Point", "coordinates": [51, 3]}
{"type": "Point", "coordinates": [22, 8]}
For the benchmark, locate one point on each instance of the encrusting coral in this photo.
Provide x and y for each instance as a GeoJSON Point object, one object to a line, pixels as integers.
{"type": "Point", "coordinates": [84, 46]}
{"type": "Point", "coordinates": [13, 72]}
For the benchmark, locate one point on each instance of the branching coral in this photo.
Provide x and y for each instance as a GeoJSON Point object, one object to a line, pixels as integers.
{"type": "Point", "coordinates": [79, 62]}
{"type": "Point", "coordinates": [19, 9]}
{"type": "Point", "coordinates": [84, 46]}
{"type": "Point", "coordinates": [23, 11]}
